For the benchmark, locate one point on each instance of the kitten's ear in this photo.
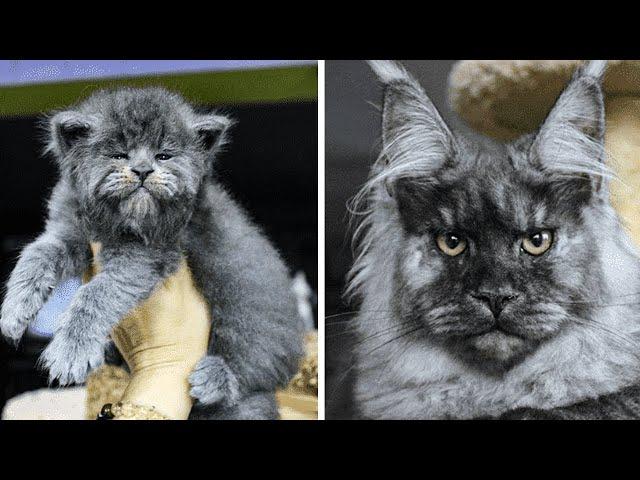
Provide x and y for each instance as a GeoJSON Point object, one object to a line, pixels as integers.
{"type": "Point", "coordinates": [211, 130]}
{"type": "Point", "coordinates": [67, 129]}
{"type": "Point", "coordinates": [571, 139]}
{"type": "Point", "coordinates": [414, 135]}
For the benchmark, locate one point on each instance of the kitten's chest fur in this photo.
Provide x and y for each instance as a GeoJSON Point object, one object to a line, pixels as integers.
{"type": "Point", "coordinates": [428, 383]}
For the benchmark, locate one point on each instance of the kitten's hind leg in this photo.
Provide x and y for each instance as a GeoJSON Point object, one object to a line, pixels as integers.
{"type": "Point", "coordinates": [253, 406]}
{"type": "Point", "coordinates": [213, 383]}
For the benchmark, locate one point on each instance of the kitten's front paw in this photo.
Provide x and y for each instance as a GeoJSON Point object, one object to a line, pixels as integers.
{"type": "Point", "coordinates": [213, 382]}
{"type": "Point", "coordinates": [69, 358]}
{"type": "Point", "coordinates": [18, 311]}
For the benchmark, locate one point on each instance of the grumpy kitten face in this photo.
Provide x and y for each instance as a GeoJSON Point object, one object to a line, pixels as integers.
{"type": "Point", "coordinates": [498, 240]}
{"type": "Point", "coordinates": [136, 156]}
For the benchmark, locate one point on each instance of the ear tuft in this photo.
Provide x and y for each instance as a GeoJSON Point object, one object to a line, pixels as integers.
{"type": "Point", "coordinates": [595, 69]}
{"type": "Point", "coordinates": [389, 71]}
{"type": "Point", "coordinates": [211, 130]}
{"type": "Point", "coordinates": [570, 142]}
{"type": "Point", "coordinates": [416, 140]}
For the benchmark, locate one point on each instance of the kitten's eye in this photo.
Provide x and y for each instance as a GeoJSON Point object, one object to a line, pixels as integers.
{"type": "Point", "coordinates": [119, 156]}
{"type": "Point", "coordinates": [537, 243]}
{"type": "Point", "coordinates": [163, 156]}
{"type": "Point", "coordinates": [451, 243]}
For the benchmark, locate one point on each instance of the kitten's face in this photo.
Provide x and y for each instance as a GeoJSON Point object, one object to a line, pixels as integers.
{"type": "Point", "coordinates": [496, 258]}
{"type": "Point", "coordinates": [143, 157]}
{"type": "Point", "coordinates": [498, 251]}
{"type": "Point", "coordinates": [138, 155]}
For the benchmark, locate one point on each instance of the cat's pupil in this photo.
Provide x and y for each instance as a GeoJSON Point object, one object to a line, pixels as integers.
{"type": "Point", "coordinates": [536, 240]}
{"type": "Point", "coordinates": [452, 241]}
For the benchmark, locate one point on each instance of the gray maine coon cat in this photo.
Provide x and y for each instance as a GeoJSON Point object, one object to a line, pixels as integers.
{"type": "Point", "coordinates": [492, 277]}
{"type": "Point", "coordinates": [136, 174]}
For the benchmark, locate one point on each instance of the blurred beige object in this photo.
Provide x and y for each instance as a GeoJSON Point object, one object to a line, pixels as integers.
{"type": "Point", "coordinates": [507, 98]}
{"type": "Point", "coordinates": [299, 401]}
{"type": "Point", "coordinates": [105, 385]}
{"type": "Point", "coordinates": [47, 404]}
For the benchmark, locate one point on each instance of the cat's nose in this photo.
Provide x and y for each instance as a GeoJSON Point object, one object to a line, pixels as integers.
{"type": "Point", "coordinates": [495, 301]}
{"type": "Point", "coordinates": [142, 172]}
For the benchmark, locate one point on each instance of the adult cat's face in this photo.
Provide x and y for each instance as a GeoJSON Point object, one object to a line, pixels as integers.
{"type": "Point", "coordinates": [497, 258]}
{"type": "Point", "coordinates": [498, 241]}
{"type": "Point", "coordinates": [136, 155]}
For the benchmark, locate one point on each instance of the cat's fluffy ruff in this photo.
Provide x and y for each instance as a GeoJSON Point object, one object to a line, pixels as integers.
{"type": "Point", "coordinates": [415, 378]}
{"type": "Point", "coordinates": [418, 380]}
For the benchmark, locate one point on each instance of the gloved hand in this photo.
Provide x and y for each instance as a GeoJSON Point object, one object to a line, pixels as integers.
{"type": "Point", "coordinates": [161, 340]}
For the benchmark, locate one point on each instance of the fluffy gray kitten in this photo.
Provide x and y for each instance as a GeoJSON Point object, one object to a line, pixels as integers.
{"type": "Point", "coordinates": [136, 174]}
{"type": "Point", "coordinates": [492, 277]}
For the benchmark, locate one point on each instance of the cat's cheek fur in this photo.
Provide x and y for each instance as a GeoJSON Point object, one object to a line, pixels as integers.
{"type": "Point", "coordinates": [419, 265]}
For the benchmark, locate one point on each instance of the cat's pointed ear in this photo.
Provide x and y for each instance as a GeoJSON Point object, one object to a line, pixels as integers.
{"type": "Point", "coordinates": [67, 129]}
{"type": "Point", "coordinates": [211, 130]}
{"type": "Point", "coordinates": [570, 142]}
{"type": "Point", "coordinates": [413, 131]}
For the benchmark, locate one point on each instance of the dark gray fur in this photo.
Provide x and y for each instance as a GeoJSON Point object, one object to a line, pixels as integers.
{"type": "Point", "coordinates": [429, 346]}
{"type": "Point", "coordinates": [256, 339]}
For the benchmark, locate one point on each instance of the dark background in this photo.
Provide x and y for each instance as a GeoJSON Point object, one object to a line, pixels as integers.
{"type": "Point", "coordinates": [270, 166]}
{"type": "Point", "coordinates": [352, 141]}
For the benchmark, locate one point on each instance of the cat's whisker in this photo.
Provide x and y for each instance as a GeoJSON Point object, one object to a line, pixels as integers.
{"type": "Point", "coordinates": [344, 375]}
{"type": "Point", "coordinates": [384, 331]}
{"type": "Point", "coordinates": [356, 330]}
{"type": "Point", "coordinates": [353, 312]}
{"type": "Point", "coordinates": [620, 339]}
{"type": "Point", "coordinates": [379, 333]}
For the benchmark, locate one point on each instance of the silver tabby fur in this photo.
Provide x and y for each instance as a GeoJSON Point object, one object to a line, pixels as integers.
{"type": "Point", "coordinates": [428, 349]}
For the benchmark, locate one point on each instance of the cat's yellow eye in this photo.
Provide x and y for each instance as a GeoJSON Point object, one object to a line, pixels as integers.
{"type": "Point", "coordinates": [451, 243]}
{"type": "Point", "coordinates": [537, 243]}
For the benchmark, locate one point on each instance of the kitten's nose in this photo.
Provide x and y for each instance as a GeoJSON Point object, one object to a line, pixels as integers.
{"type": "Point", "coordinates": [495, 301]}
{"type": "Point", "coordinates": [142, 172]}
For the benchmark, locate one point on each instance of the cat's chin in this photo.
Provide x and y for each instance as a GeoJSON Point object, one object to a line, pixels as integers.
{"type": "Point", "coordinates": [497, 345]}
{"type": "Point", "coordinates": [496, 351]}
{"type": "Point", "coordinates": [140, 204]}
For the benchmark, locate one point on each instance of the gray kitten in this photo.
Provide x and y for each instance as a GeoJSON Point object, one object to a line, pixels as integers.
{"type": "Point", "coordinates": [136, 174]}
{"type": "Point", "coordinates": [492, 277]}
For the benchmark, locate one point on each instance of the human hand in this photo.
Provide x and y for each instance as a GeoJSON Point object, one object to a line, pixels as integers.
{"type": "Point", "coordinates": [161, 340]}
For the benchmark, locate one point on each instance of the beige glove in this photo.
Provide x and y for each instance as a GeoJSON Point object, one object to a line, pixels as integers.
{"type": "Point", "coordinates": [161, 340]}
